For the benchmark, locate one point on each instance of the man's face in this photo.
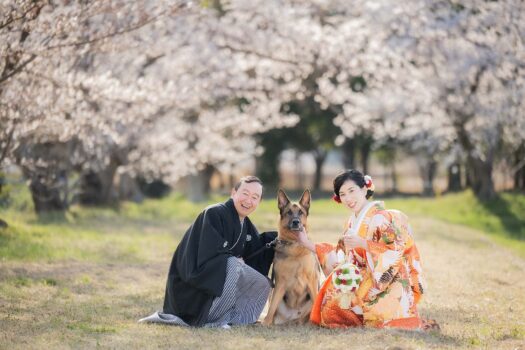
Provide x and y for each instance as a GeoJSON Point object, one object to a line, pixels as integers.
{"type": "Point", "coordinates": [247, 198]}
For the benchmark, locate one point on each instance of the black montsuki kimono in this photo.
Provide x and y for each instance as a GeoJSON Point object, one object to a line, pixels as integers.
{"type": "Point", "coordinates": [198, 268]}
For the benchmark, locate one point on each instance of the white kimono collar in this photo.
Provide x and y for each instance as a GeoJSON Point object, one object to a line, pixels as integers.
{"type": "Point", "coordinates": [356, 222]}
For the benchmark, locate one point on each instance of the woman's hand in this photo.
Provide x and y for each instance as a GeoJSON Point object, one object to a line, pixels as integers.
{"type": "Point", "coordinates": [354, 241]}
{"type": "Point", "coordinates": [302, 238]}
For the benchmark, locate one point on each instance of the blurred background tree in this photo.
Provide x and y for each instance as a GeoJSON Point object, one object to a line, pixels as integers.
{"type": "Point", "coordinates": [99, 100]}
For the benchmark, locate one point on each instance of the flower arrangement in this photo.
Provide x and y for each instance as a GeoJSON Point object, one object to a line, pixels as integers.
{"type": "Point", "coordinates": [346, 277]}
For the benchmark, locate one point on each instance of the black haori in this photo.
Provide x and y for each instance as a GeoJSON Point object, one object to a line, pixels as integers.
{"type": "Point", "coordinates": [197, 272]}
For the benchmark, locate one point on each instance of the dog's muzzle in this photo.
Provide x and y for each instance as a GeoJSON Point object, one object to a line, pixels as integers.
{"type": "Point", "coordinates": [295, 225]}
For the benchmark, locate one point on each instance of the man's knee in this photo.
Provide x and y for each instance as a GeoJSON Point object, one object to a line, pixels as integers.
{"type": "Point", "coordinates": [263, 284]}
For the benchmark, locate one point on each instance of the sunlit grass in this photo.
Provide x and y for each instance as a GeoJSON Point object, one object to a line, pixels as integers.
{"type": "Point", "coordinates": [503, 219]}
{"type": "Point", "coordinates": [93, 233]}
{"type": "Point", "coordinates": [82, 281]}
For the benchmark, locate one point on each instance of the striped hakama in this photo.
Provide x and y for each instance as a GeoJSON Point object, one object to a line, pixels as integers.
{"type": "Point", "coordinates": [242, 300]}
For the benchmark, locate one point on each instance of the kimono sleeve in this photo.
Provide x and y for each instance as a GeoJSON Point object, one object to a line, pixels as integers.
{"type": "Point", "coordinates": [326, 253]}
{"type": "Point", "coordinates": [203, 257]}
{"type": "Point", "coordinates": [386, 245]}
{"type": "Point", "coordinates": [257, 241]}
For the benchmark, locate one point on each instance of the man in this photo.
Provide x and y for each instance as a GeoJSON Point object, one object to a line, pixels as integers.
{"type": "Point", "coordinates": [217, 276]}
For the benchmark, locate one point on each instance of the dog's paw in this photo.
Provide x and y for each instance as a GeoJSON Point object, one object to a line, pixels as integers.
{"type": "Point", "coordinates": [267, 322]}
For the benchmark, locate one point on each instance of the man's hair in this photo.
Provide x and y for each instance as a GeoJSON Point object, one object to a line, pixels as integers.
{"type": "Point", "coordinates": [247, 179]}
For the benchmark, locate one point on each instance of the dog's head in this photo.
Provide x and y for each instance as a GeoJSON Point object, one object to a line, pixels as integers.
{"type": "Point", "coordinates": [292, 214]}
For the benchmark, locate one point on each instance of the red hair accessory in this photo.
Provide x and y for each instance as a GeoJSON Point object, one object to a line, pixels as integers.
{"type": "Point", "coordinates": [336, 198]}
{"type": "Point", "coordinates": [368, 183]}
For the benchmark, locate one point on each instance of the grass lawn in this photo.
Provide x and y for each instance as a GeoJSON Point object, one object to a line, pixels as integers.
{"type": "Point", "coordinates": [83, 281]}
{"type": "Point", "coordinates": [502, 219]}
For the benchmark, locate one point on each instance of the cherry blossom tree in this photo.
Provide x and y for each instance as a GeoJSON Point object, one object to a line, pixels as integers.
{"type": "Point", "coordinates": [175, 88]}
{"type": "Point", "coordinates": [477, 55]}
{"type": "Point", "coordinates": [182, 105]}
{"type": "Point", "coordinates": [452, 71]}
{"type": "Point", "coordinates": [43, 49]}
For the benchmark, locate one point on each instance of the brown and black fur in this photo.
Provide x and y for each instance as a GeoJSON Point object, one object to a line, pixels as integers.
{"type": "Point", "coordinates": [295, 267]}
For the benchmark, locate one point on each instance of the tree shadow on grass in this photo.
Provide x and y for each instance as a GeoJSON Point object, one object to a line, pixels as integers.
{"type": "Point", "coordinates": [102, 220]}
{"type": "Point", "coordinates": [514, 225]}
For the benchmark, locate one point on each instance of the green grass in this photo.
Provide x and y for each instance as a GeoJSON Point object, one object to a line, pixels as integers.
{"type": "Point", "coordinates": [502, 219]}
{"type": "Point", "coordinates": [93, 233]}
{"type": "Point", "coordinates": [86, 234]}
{"type": "Point", "coordinates": [83, 280]}
{"type": "Point", "coordinates": [72, 240]}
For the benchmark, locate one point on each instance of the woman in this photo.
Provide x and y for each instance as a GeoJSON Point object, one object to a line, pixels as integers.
{"type": "Point", "coordinates": [374, 273]}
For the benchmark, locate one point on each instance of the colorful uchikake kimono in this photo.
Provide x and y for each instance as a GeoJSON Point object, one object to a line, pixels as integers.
{"type": "Point", "coordinates": [379, 287]}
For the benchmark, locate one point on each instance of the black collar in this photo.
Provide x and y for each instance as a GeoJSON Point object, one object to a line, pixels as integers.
{"type": "Point", "coordinates": [283, 242]}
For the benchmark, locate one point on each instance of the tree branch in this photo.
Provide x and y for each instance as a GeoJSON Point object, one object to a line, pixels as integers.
{"type": "Point", "coordinates": [17, 70]}
{"type": "Point", "coordinates": [258, 54]}
{"type": "Point", "coordinates": [116, 33]}
{"type": "Point", "coordinates": [12, 19]}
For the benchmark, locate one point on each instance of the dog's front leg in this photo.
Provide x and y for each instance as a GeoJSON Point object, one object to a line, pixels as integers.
{"type": "Point", "coordinates": [277, 297]}
{"type": "Point", "coordinates": [313, 286]}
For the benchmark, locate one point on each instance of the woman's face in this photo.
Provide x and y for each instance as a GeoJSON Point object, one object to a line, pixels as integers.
{"type": "Point", "coordinates": [353, 196]}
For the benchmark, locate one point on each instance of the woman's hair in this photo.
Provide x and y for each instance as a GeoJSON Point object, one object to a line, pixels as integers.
{"type": "Point", "coordinates": [354, 175]}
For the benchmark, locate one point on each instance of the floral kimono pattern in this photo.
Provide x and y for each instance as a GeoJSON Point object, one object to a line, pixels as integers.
{"type": "Point", "coordinates": [390, 283]}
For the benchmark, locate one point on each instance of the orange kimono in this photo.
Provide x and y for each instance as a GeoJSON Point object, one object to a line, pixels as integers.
{"type": "Point", "coordinates": [389, 285]}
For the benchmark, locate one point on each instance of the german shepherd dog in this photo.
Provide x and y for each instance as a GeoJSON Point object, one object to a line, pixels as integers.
{"type": "Point", "coordinates": [295, 267]}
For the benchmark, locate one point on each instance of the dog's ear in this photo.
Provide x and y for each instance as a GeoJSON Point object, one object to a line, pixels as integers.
{"type": "Point", "coordinates": [282, 200]}
{"type": "Point", "coordinates": [305, 200]}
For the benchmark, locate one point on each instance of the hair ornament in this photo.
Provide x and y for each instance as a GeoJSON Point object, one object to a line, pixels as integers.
{"type": "Point", "coordinates": [368, 183]}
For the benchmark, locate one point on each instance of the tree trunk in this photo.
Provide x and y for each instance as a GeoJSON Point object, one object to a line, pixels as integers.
{"type": "Point", "coordinates": [348, 149]}
{"type": "Point", "coordinates": [267, 164]}
{"type": "Point", "coordinates": [46, 193]}
{"type": "Point", "coordinates": [48, 181]}
{"type": "Point", "coordinates": [231, 183]}
{"type": "Point", "coordinates": [427, 170]}
{"type": "Point", "coordinates": [208, 171]}
{"type": "Point", "coordinates": [519, 180]}
{"type": "Point", "coordinates": [454, 178]}
{"type": "Point", "coordinates": [468, 181]}
{"type": "Point", "coordinates": [196, 187]}
{"type": "Point", "coordinates": [199, 185]}
{"type": "Point", "coordinates": [519, 168]}
{"type": "Point", "coordinates": [96, 188]}
{"type": "Point", "coordinates": [319, 157]}
{"type": "Point", "coordinates": [393, 176]}
{"type": "Point", "coordinates": [128, 188]}
{"type": "Point", "coordinates": [267, 169]}
{"type": "Point", "coordinates": [481, 178]}
{"type": "Point", "coordinates": [2, 182]}
{"type": "Point", "coordinates": [151, 189]}
{"type": "Point", "coordinates": [366, 147]}
{"type": "Point", "coordinates": [479, 171]}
